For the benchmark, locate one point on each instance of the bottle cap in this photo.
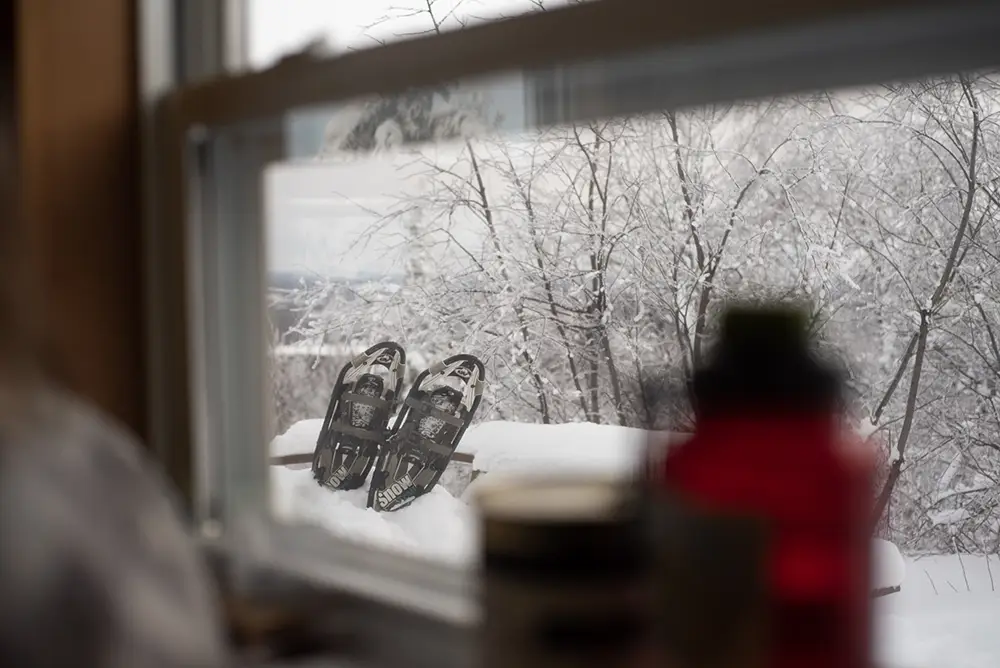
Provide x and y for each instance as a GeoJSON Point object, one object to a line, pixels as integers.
{"type": "Point", "coordinates": [763, 363]}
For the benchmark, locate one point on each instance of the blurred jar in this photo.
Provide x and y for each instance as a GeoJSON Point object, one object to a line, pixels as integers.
{"type": "Point", "coordinates": [566, 576]}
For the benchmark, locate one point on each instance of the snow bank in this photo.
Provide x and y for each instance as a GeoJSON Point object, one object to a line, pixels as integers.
{"type": "Point", "coordinates": [576, 447]}
{"type": "Point", "coordinates": [890, 567]}
{"type": "Point", "coordinates": [439, 525]}
{"type": "Point", "coordinates": [300, 439]}
{"type": "Point", "coordinates": [436, 526]}
{"type": "Point", "coordinates": [442, 526]}
{"type": "Point", "coordinates": [945, 615]}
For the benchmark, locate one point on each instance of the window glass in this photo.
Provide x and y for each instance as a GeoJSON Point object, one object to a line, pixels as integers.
{"type": "Point", "coordinates": [277, 28]}
{"type": "Point", "coordinates": [571, 269]}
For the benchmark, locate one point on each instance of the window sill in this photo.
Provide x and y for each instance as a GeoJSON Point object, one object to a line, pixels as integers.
{"type": "Point", "coordinates": [393, 609]}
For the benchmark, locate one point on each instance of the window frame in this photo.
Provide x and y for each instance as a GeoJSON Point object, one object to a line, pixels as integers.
{"type": "Point", "coordinates": [608, 59]}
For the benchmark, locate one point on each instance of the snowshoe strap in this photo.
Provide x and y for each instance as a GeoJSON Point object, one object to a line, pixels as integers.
{"type": "Point", "coordinates": [430, 446]}
{"type": "Point", "coordinates": [358, 432]}
{"type": "Point", "coordinates": [377, 402]}
{"type": "Point", "coordinates": [415, 443]}
{"type": "Point", "coordinates": [434, 412]}
{"type": "Point", "coordinates": [412, 443]}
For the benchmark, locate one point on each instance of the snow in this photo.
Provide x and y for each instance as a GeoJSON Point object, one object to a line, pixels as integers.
{"type": "Point", "coordinates": [944, 614]}
{"type": "Point", "coordinates": [866, 428]}
{"type": "Point", "coordinates": [300, 439]}
{"type": "Point", "coordinates": [890, 567]}
{"type": "Point", "coordinates": [440, 525]}
{"type": "Point", "coordinates": [436, 526]}
{"type": "Point", "coordinates": [937, 619]}
{"type": "Point", "coordinates": [576, 447]}
{"type": "Point", "coordinates": [313, 349]}
{"type": "Point", "coordinates": [948, 517]}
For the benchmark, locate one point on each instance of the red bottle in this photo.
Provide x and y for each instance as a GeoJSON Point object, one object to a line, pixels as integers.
{"type": "Point", "coordinates": [768, 445]}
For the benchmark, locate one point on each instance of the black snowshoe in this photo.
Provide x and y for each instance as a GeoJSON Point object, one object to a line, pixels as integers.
{"type": "Point", "coordinates": [357, 419]}
{"type": "Point", "coordinates": [437, 411]}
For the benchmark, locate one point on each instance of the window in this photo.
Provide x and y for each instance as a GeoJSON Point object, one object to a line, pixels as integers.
{"type": "Point", "coordinates": [570, 216]}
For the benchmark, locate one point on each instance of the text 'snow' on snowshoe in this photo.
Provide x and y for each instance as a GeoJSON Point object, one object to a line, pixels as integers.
{"type": "Point", "coordinates": [357, 419]}
{"type": "Point", "coordinates": [437, 411]}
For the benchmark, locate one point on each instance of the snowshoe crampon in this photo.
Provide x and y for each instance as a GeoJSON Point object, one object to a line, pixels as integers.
{"type": "Point", "coordinates": [437, 411]}
{"type": "Point", "coordinates": [357, 419]}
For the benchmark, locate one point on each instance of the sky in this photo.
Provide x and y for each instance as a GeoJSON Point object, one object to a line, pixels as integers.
{"type": "Point", "coordinates": [315, 214]}
{"type": "Point", "coordinates": [320, 216]}
{"type": "Point", "coordinates": [278, 27]}
{"type": "Point", "coordinates": [317, 217]}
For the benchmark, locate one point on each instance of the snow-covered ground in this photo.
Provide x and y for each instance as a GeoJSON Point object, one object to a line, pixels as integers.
{"type": "Point", "coordinates": [937, 619]}
{"type": "Point", "coordinates": [946, 615]}
{"type": "Point", "coordinates": [519, 447]}
{"type": "Point", "coordinates": [437, 525]}
{"type": "Point", "coordinates": [442, 523]}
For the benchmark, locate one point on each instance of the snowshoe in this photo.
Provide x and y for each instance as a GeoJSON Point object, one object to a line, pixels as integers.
{"type": "Point", "coordinates": [437, 411]}
{"type": "Point", "coordinates": [357, 418]}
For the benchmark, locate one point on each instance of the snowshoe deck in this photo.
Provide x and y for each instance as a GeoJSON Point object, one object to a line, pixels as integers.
{"type": "Point", "coordinates": [437, 411]}
{"type": "Point", "coordinates": [357, 418]}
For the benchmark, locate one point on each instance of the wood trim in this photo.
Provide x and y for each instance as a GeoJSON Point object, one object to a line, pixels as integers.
{"type": "Point", "coordinates": [78, 133]}
{"type": "Point", "coordinates": [12, 247]}
{"type": "Point", "coordinates": [169, 255]}
{"type": "Point", "coordinates": [596, 32]}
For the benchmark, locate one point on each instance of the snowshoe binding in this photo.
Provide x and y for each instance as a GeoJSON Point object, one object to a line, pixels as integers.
{"type": "Point", "coordinates": [357, 418]}
{"type": "Point", "coordinates": [437, 411]}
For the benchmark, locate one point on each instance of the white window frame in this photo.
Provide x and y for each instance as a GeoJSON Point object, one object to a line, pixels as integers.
{"type": "Point", "coordinates": [207, 280]}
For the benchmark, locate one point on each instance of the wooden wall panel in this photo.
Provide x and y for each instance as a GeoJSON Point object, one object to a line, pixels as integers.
{"type": "Point", "coordinates": [78, 121]}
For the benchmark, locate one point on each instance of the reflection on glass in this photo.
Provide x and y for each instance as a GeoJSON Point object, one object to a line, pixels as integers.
{"type": "Point", "coordinates": [583, 265]}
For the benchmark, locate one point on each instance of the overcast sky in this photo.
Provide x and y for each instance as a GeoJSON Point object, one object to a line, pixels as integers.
{"type": "Point", "coordinates": [278, 27]}
{"type": "Point", "coordinates": [313, 215]}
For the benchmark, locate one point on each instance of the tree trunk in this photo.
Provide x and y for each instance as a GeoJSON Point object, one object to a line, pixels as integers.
{"type": "Point", "coordinates": [529, 360]}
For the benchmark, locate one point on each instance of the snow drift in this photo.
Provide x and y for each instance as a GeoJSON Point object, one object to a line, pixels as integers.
{"type": "Point", "coordinates": [442, 526]}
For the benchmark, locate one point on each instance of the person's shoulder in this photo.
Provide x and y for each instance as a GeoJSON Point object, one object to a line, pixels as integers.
{"type": "Point", "coordinates": [88, 494]}
{"type": "Point", "coordinates": [79, 424]}
{"type": "Point", "coordinates": [67, 438]}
